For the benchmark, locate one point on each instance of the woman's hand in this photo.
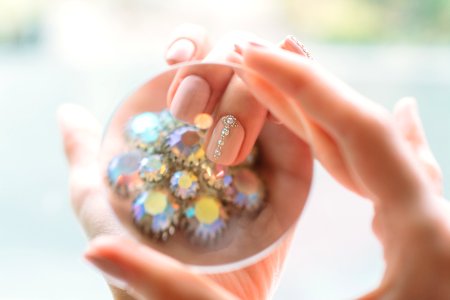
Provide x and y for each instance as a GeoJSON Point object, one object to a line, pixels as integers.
{"type": "Point", "coordinates": [384, 158]}
{"type": "Point", "coordinates": [146, 273]}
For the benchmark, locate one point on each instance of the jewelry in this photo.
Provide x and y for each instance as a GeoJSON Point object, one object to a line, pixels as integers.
{"type": "Point", "coordinates": [172, 185]}
{"type": "Point", "coordinates": [228, 121]}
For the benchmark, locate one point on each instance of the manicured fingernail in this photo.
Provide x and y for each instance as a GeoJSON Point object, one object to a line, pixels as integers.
{"type": "Point", "coordinates": [180, 51]}
{"type": "Point", "coordinates": [111, 271]}
{"type": "Point", "coordinates": [238, 49]}
{"type": "Point", "coordinates": [191, 98]}
{"type": "Point", "coordinates": [226, 140]}
{"type": "Point", "coordinates": [295, 45]}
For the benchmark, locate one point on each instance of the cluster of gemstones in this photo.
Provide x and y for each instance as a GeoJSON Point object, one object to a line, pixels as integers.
{"type": "Point", "coordinates": [172, 184]}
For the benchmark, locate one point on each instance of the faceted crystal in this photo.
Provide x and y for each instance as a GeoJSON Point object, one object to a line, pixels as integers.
{"type": "Point", "coordinates": [123, 173]}
{"type": "Point", "coordinates": [153, 168]}
{"type": "Point", "coordinates": [185, 145]}
{"type": "Point", "coordinates": [144, 129]}
{"type": "Point", "coordinates": [248, 190]}
{"type": "Point", "coordinates": [216, 176]}
{"type": "Point", "coordinates": [184, 184]}
{"type": "Point", "coordinates": [155, 212]}
{"type": "Point", "coordinates": [206, 218]}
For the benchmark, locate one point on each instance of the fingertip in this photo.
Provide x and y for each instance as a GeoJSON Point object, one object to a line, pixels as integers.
{"type": "Point", "coordinates": [73, 116]}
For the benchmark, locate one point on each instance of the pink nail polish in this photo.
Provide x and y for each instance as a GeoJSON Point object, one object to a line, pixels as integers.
{"type": "Point", "coordinates": [238, 49]}
{"type": "Point", "coordinates": [180, 51]}
{"type": "Point", "coordinates": [112, 270]}
{"type": "Point", "coordinates": [297, 46]}
{"type": "Point", "coordinates": [226, 140]}
{"type": "Point", "coordinates": [191, 98]}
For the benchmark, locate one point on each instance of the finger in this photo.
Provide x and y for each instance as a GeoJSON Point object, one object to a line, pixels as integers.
{"type": "Point", "coordinates": [148, 273]}
{"type": "Point", "coordinates": [408, 120]}
{"type": "Point", "coordinates": [197, 89]}
{"type": "Point", "coordinates": [322, 144]}
{"type": "Point", "coordinates": [81, 138]}
{"type": "Point", "coordinates": [378, 160]}
{"type": "Point", "coordinates": [188, 42]}
{"type": "Point", "coordinates": [250, 115]}
{"type": "Point", "coordinates": [81, 135]}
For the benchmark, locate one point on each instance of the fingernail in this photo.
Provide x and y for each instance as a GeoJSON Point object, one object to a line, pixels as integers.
{"type": "Point", "coordinates": [111, 271]}
{"type": "Point", "coordinates": [113, 275]}
{"type": "Point", "coordinates": [180, 51]}
{"type": "Point", "coordinates": [238, 49]}
{"type": "Point", "coordinates": [226, 140]}
{"type": "Point", "coordinates": [191, 98]}
{"type": "Point", "coordinates": [295, 45]}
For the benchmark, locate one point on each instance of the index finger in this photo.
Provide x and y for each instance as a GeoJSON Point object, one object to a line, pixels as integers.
{"type": "Point", "coordinates": [378, 158]}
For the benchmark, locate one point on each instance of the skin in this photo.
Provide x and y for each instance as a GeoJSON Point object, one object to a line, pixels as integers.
{"type": "Point", "coordinates": [383, 157]}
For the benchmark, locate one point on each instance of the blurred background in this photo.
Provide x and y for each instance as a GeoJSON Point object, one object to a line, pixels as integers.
{"type": "Point", "coordinates": [96, 52]}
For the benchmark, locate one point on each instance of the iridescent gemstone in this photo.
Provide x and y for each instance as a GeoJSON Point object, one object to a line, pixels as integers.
{"type": "Point", "coordinates": [123, 173]}
{"type": "Point", "coordinates": [156, 213]}
{"type": "Point", "coordinates": [185, 145]}
{"type": "Point", "coordinates": [153, 168]}
{"type": "Point", "coordinates": [216, 176]}
{"type": "Point", "coordinates": [167, 121]}
{"type": "Point", "coordinates": [144, 129]}
{"type": "Point", "coordinates": [184, 184]}
{"type": "Point", "coordinates": [206, 218]}
{"type": "Point", "coordinates": [248, 190]}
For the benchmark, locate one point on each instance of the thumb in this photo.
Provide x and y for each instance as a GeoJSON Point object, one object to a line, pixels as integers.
{"type": "Point", "coordinates": [149, 274]}
{"type": "Point", "coordinates": [408, 120]}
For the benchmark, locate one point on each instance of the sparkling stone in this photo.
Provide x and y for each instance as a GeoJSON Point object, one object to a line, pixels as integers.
{"type": "Point", "coordinates": [167, 120]}
{"type": "Point", "coordinates": [216, 175]}
{"type": "Point", "coordinates": [203, 121]}
{"type": "Point", "coordinates": [123, 173]}
{"type": "Point", "coordinates": [155, 212]}
{"type": "Point", "coordinates": [221, 142]}
{"type": "Point", "coordinates": [206, 219]}
{"type": "Point", "coordinates": [230, 120]}
{"type": "Point", "coordinates": [225, 131]}
{"type": "Point", "coordinates": [184, 184]}
{"type": "Point", "coordinates": [207, 209]}
{"type": "Point", "coordinates": [248, 189]}
{"type": "Point", "coordinates": [153, 168]}
{"type": "Point", "coordinates": [185, 144]}
{"type": "Point", "coordinates": [217, 152]}
{"type": "Point", "coordinates": [144, 129]}
{"type": "Point", "coordinates": [190, 212]}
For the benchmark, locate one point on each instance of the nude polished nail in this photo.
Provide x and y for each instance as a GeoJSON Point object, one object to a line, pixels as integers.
{"type": "Point", "coordinates": [191, 98]}
{"type": "Point", "coordinates": [226, 140]}
{"type": "Point", "coordinates": [180, 51]}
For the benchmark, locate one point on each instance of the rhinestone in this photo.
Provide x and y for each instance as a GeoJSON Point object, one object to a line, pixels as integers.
{"type": "Point", "coordinates": [206, 218]}
{"type": "Point", "coordinates": [184, 184]}
{"type": "Point", "coordinates": [221, 142]}
{"type": "Point", "coordinates": [230, 120]}
{"type": "Point", "coordinates": [248, 190]}
{"type": "Point", "coordinates": [144, 129]}
{"type": "Point", "coordinates": [185, 144]}
{"type": "Point", "coordinates": [153, 168]}
{"type": "Point", "coordinates": [123, 173]}
{"type": "Point", "coordinates": [156, 213]}
{"type": "Point", "coordinates": [216, 175]}
{"type": "Point", "coordinates": [203, 121]}
{"type": "Point", "coordinates": [225, 131]}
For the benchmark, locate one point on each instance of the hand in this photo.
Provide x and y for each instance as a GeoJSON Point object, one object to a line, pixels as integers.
{"type": "Point", "coordinates": [385, 159]}
{"type": "Point", "coordinates": [143, 272]}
